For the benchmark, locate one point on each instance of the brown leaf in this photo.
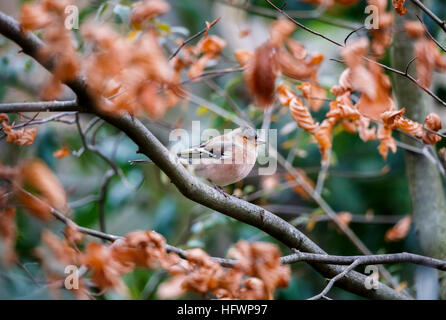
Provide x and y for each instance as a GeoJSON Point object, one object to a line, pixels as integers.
{"type": "Point", "coordinates": [281, 30]}
{"type": "Point", "coordinates": [33, 16]}
{"type": "Point", "coordinates": [8, 234]}
{"type": "Point", "coordinates": [399, 6]}
{"type": "Point", "coordinates": [148, 9]}
{"type": "Point", "coordinates": [36, 175]}
{"type": "Point", "coordinates": [21, 137]}
{"type": "Point", "coordinates": [261, 260]}
{"type": "Point", "coordinates": [414, 29]}
{"type": "Point", "coordinates": [432, 122]}
{"type": "Point", "coordinates": [62, 152]}
{"type": "Point", "coordinates": [106, 271]}
{"type": "Point", "coordinates": [261, 73]}
{"type": "Point", "coordinates": [396, 120]}
{"type": "Point", "coordinates": [314, 94]}
{"type": "Point", "coordinates": [243, 56]}
{"type": "Point", "coordinates": [428, 60]}
{"type": "Point", "coordinates": [400, 230]}
{"type": "Point", "coordinates": [387, 142]}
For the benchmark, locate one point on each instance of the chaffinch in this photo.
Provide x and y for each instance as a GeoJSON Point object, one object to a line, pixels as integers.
{"type": "Point", "coordinates": [225, 159]}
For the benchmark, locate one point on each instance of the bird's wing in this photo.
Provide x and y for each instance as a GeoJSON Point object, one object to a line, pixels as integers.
{"type": "Point", "coordinates": [212, 149]}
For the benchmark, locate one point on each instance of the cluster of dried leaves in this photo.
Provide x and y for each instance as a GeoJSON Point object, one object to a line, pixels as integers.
{"type": "Point", "coordinates": [375, 104]}
{"type": "Point", "coordinates": [427, 53]}
{"type": "Point", "coordinates": [399, 6]}
{"type": "Point", "coordinates": [21, 137]}
{"type": "Point", "coordinates": [256, 275]}
{"type": "Point", "coordinates": [34, 186]}
{"type": "Point", "coordinates": [281, 55]}
{"type": "Point", "coordinates": [125, 73]}
{"type": "Point", "coordinates": [49, 15]}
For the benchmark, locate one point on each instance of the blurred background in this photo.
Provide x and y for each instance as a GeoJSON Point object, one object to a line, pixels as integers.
{"type": "Point", "coordinates": [373, 191]}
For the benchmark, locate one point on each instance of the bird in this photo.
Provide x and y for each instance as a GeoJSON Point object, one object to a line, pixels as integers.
{"type": "Point", "coordinates": [225, 159]}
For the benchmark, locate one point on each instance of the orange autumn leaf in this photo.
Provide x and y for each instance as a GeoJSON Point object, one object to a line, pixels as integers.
{"type": "Point", "coordinates": [314, 94]}
{"type": "Point", "coordinates": [344, 83]}
{"type": "Point", "coordinates": [396, 120]}
{"type": "Point", "coordinates": [428, 56]}
{"type": "Point", "coordinates": [261, 73]}
{"type": "Point", "coordinates": [323, 137]}
{"type": "Point", "coordinates": [36, 175]}
{"type": "Point", "coordinates": [106, 271]}
{"type": "Point", "coordinates": [211, 45]}
{"type": "Point", "coordinates": [21, 137]}
{"type": "Point", "coordinates": [399, 6]}
{"type": "Point", "coordinates": [368, 79]}
{"type": "Point", "coordinates": [429, 59]}
{"type": "Point", "coordinates": [340, 109]}
{"type": "Point", "coordinates": [295, 62]}
{"type": "Point", "coordinates": [33, 16]}
{"type": "Point", "coordinates": [8, 233]}
{"type": "Point", "coordinates": [414, 29]}
{"type": "Point", "coordinates": [299, 112]}
{"type": "Point", "coordinates": [62, 152]}
{"type": "Point", "coordinates": [400, 230]}
{"type": "Point", "coordinates": [148, 9]}
{"type": "Point", "coordinates": [386, 141]}
{"type": "Point", "coordinates": [432, 122]}
{"type": "Point", "coordinates": [281, 30]}
{"type": "Point", "coordinates": [366, 133]}
{"type": "Point", "coordinates": [243, 56]}
{"type": "Point", "coordinates": [261, 260]}
{"type": "Point", "coordinates": [37, 207]}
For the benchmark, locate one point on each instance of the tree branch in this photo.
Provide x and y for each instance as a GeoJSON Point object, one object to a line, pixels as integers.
{"type": "Point", "coordinates": [432, 15]}
{"type": "Point", "coordinates": [41, 106]}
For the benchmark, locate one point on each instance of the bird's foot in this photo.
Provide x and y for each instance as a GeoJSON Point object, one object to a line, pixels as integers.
{"type": "Point", "coordinates": [220, 189]}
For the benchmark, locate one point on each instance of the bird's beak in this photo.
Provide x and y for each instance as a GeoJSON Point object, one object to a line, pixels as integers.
{"type": "Point", "coordinates": [259, 142]}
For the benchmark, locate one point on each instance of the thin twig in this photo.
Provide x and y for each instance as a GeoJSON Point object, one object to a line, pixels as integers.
{"type": "Point", "coordinates": [333, 280]}
{"type": "Point", "coordinates": [431, 36]}
{"type": "Point", "coordinates": [177, 50]}
{"type": "Point", "coordinates": [432, 15]}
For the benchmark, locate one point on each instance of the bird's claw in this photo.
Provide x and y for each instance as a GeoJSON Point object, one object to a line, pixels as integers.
{"type": "Point", "coordinates": [219, 189]}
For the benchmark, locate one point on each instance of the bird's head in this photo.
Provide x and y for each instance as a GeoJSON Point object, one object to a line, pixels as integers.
{"type": "Point", "coordinates": [248, 135]}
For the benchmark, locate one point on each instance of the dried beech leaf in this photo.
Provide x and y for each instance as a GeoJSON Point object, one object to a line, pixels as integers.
{"type": "Point", "coordinates": [39, 177]}
{"type": "Point", "coordinates": [261, 73]}
{"type": "Point", "coordinates": [400, 230]}
{"type": "Point", "coordinates": [8, 233]}
{"type": "Point", "coordinates": [399, 6]}
{"type": "Point", "coordinates": [148, 9]}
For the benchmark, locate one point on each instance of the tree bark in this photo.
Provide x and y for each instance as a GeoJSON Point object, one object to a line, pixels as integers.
{"type": "Point", "coordinates": [425, 183]}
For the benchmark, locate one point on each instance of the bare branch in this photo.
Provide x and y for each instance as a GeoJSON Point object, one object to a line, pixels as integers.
{"type": "Point", "coordinates": [42, 106]}
{"type": "Point", "coordinates": [301, 25]}
{"type": "Point", "coordinates": [177, 50]}
{"type": "Point", "coordinates": [431, 36]}
{"type": "Point", "coordinates": [432, 15]}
